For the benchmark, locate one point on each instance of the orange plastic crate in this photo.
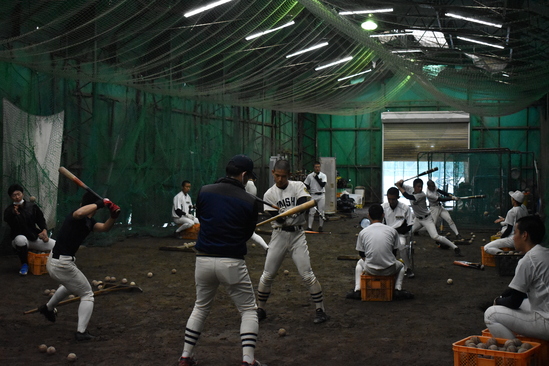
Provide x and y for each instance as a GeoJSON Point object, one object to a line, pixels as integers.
{"type": "Point", "coordinates": [37, 263]}
{"type": "Point", "coordinates": [191, 233]}
{"type": "Point", "coordinates": [489, 260]}
{"type": "Point", "coordinates": [469, 356]}
{"type": "Point", "coordinates": [544, 346]}
{"type": "Point", "coordinates": [377, 288]}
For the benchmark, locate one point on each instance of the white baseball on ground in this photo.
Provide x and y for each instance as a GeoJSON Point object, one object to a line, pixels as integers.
{"type": "Point", "coordinates": [50, 350]}
{"type": "Point", "coordinates": [282, 332]}
{"type": "Point", "coordinates": [71, 357]}
{"type": "Point", "coordinates": [150, 274]}
{"type": "Point", "coordinates": [124, 281]}
{"type": "Point", "coordinates": [132, 283]}
{"type": "Point", "coordinates": [174, 271]}
{"type": "Point", "coordinates": [42, 348]}
{"type": "Point", "coordinates": [450, 281]}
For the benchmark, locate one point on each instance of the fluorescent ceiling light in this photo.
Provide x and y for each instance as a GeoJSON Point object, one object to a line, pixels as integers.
{"type": "Point", "coordinates": [480, 42]}
{"type": "Point", "coordinates": [255, 35]}
{"type": "Point", "coordinates": [343, 60]}
{"type": "Point", "coordinates": [352, 76]}
{"type": "Point", "coordinates": [452, 15]}
{"type": "Point", "coordinates": [391, 34]}
{"type": "Point", "coordinates": [406, 51]}
{"type": "Point", "coordinates": [205, 7]}
{"type": "Point", "coordinates": [371, 11]}
{"type": "Point", "coordinates": [312, 48]}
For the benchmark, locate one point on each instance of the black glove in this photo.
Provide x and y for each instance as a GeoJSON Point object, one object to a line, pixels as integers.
{"type": "Point", "coordinates": [179, 212]}
{"type": "Point", "coordinates": [100, 203]}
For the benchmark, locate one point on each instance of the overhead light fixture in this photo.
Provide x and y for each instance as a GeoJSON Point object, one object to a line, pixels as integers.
{"type": "Point", "coordinates": [312, 48]}
{"type": "Point", "coordinates": [407, 51]}
{"type": "Point", "coordinates": [341, 61]}
{"type": "Point", "coordinates": [457, 16]}
{"type": "Point", "coordinates": [371, 11]}
{"type": "Point", "coordinates": [480, 42]}
{"type": "Point", "coordinates": [352, 76]}
{"type": "Point", "coordinates": [205, 7]}
{"type": "Point", "coordinates": [255, 35]}
{"type": "Point", "coordinates": [369, 25]}
{"type": "Point", "coordinates": [391, 34]}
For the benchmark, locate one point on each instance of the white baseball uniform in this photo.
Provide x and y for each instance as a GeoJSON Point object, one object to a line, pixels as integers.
{"type": "Point", "coordinates": [511, 218]}
{"type": "Point", "coordinates": [183, 202]}
{"type": "Point", "coordinates": [437, 210]}
{"type": "Point", "coordinates": [288, 237]}
{"type": "Point", "coordinates": [395, 218]}
{"type": "Point", "coordinates": [378, 241]}
{"type": "Point", "coordinates": [318, 194]}
{"type": "Point", "coordinates": [423, 216]}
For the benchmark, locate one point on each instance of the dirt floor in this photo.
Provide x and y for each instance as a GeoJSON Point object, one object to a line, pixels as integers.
{"type": "Point", "coordinates": [147, 328]}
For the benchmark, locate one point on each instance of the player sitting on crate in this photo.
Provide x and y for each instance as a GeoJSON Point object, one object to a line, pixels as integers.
{"type": "Point", "coordinates": [376, 245]}
{"type": "Point", "coordinates": [524, 307]}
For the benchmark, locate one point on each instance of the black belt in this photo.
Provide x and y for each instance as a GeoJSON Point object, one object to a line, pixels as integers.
{"type": "Point", "coordinates": [56, 256]}
{"type": "Point", "coordinates": [423, 217]}
{"type": "Point", "coordinates": [318, 193]}
{"type": "Point", "coordinates": [290, 228]}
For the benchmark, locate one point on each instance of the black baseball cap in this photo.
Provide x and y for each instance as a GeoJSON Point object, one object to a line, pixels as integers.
{"type": "Point", "coordinates": [243, 163]}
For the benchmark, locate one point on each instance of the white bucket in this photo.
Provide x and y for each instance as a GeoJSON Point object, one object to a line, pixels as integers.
{"type": "Point", "coordinates": [359, 190]}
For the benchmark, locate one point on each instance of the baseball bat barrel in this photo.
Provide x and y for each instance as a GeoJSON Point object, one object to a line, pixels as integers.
{"type": "Point", "coordinates": [78, 182]}
{"type": "Point", "coordinates": [423, 173]}
{"type": "Point", "coordinates": [473, 197]}
{"type": "Point", "coordinates": [470, 265]}
{"type": "Point", "coordinates": [297, 209]}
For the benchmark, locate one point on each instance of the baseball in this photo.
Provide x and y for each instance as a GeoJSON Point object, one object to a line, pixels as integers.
{"type": "Point", "coordinates": [46, 292]}
{"type": "Point", "coordinates": [282, 332]}
{"type": "Point", "coordinates": [174, 271]}
{"type": "Point", "coordinates": [42, 348]}
{"type": "Point", "coordinates": [32, 199]}
{"type": "Point", "coordinates": [113, 279]}
{"type": "Point", "coordinates": [132, 283]}
{"type": "Point", "coordinates": [94, 283]}
{"type": "Point", "coordinates": [107, 279]}
{"type": "Point", "coordinates": [286, 272]}
{"type": "Point", "coordinates": [71, 296]}
{"type": "Point", "coordinates": [449, 281]}
{"type": "Point", "coordinates": [71, 357]}
{"type": "Point", "coordinates": [486, 213]}
{"type": "Point", "coordinates": [50, 350]}
{"type": "Point", "coordinates": [472, 233]}
{"type": "Point", "coordinates": [100, 287]}
{"type": "Point", "coordinates": [51, 293]}
{"type": "Point", "coordinates": [124, 281]}
{"type": "Point", "coordinates": [483, 240]}
{"type": "Point", "coordinates": [253, 245]}
{"type": "Point", "coordinates": [150, 274]}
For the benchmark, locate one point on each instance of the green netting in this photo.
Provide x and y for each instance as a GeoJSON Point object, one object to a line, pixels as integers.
{"type": "Point", "coordinates": [151, 46]}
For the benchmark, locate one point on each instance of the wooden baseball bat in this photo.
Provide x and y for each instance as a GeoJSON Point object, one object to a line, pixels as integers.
{"type": "Point", "coordinates": [420, 174]}
{"type": "Point", "coordinates": [291, 211]}
{"type": "Point", "coordinates": [78, 182]}
{"type": "Point", "coordinates": [265, 202]}
{"type": "Point", "coordinates": [473, 197]}
{"type": "Point", "coordinates": [470, 265]}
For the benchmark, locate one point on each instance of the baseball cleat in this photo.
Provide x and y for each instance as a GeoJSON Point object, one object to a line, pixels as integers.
{"type": "Point", "coordinates": [24, 269]}
{"type": "Point", "coordinates": [86, 336]}
{"type": "Point", "coordinates": [354, 295]}
{"type": "Point", "coordinates": [457, 252]}
{"type": "Point", "coordinates": [402, 295]}
{"type": "Point", "coordinates": [261, 314]}
{"type": "Point", "coordinates": [255, 363]}
{"type": "Point", "coordinates": [409, 273]}
{"type": "Point", "coordinates": [51, 315]}
{"type": "Point", "coordinates": [320, 316]}
{"type": "Point", "coordinates": [187, 361]}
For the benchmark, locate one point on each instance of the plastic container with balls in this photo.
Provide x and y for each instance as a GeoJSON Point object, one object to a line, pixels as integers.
{"type": "Point", "coordinates": [466, 353]}
{"type": "Point", "coordinates": [37, 262]}
{"type": "Point", "coordinates": [543, 354]}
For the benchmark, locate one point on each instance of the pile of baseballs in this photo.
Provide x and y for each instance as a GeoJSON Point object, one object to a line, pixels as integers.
{"type": "Point", "coordinates": [511, 345]}
{"type": "Point", "coordinates": [51, 351]}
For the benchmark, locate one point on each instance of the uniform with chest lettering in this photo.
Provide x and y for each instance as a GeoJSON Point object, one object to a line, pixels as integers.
{"type": "Point", "coordinates": [289, 237]}
{"type": "Point", "coordinates": [435, 198]}
{"type": "Point", "coordinates": [400, 216]}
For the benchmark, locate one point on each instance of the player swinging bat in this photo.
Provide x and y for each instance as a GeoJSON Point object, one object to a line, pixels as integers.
{"type": "Point", "coordinates": [294, 210]}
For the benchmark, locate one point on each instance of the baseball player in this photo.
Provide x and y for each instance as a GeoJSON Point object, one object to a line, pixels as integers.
{"type": "Point", "coordinates": [315, 182]}
{"type": "Point", "coordinates": [228, 216]}
{"type": "Point", "coordinates": [288, 237]}
{"type": "Point", "coordinates": [27, 227]}
{"type": "Point", "coordinates": [376, 245]}
{"type": "Point", "coordinates": [524, 306]}
{"type": "Point", "coordinates": [418, 200]}
{"type": "Point", "coordinates": [435, 197]}
{"type": "Point", "coordinates": [61, 262]}
{"type": "Point", "coordinates": [508, 224]}
{"type": "Point", "coordinates": [400, 217]}
{"type": "Point", "coordinates": [252, 189]}
{"type": "Point", "coordinates": [182, 206]}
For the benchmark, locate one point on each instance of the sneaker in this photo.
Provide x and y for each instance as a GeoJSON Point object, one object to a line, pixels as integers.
{"type": "Point", "coordinates": [354, 295]}
{"type": "Point", "coordinates": [86, 336]}
{"type": "Point", "coordinates": [309, 229]}
{"type": "Point", "coordinates": [51, 315]}
{"type": "Point", "coordinates": [24, 269]}
{"type": "Point", "coordinates": [187, 361]}
{"type": "Point", "coordinates": [459, 237]}
{"type": "Point", "coordinates": [320, 316]}
{"type": "Point", "coordinates": [457, 252]}
{"type": "Point", "coordinates": [320, 229]}
{"type": "Point", "coordinates": [261, 314]}
{"type": "Point", "coordinates": [409, 273]}
{"type": "Point", "coordinates": [255, 363]}
{"type": "Point", "coordinates": [402, 295]}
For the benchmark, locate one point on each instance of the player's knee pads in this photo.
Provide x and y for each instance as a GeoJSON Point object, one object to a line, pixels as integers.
{"type": "Point", "coordinates": [309, 278]}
